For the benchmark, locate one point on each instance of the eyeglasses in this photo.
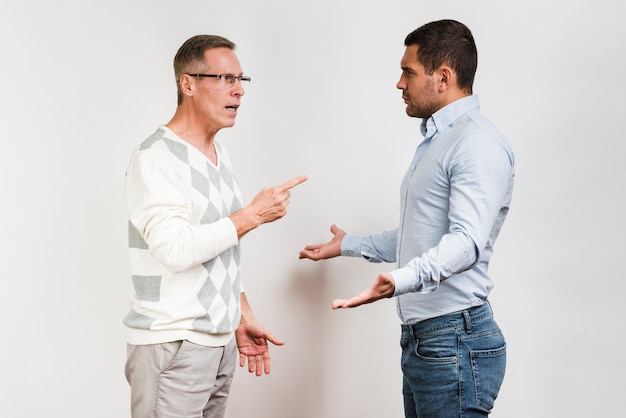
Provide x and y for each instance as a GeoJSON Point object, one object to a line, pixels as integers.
{"type": "Point", "coordinates": [225, 80]}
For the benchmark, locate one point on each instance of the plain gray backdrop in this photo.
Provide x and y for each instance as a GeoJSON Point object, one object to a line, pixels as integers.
{"type": "Point", "coordinates": [82, 83]}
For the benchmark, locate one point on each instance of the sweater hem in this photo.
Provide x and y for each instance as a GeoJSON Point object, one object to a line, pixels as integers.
{"type": "Point", "coordinates": [147, 337]}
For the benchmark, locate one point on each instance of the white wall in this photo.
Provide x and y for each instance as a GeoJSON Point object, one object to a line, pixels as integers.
{"type": "Point", "coordinates": [81, 84]}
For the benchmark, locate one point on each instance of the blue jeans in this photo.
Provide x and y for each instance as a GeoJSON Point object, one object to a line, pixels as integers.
{"type": "Point", "coordinates": [452, 365]}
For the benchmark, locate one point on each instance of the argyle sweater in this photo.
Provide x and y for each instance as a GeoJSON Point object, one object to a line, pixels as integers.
{"type": "Point", "coordinates": [184, 252]}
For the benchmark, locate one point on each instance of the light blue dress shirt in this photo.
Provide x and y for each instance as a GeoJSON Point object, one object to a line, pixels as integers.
{"type": "Point", "coordinates": [453, 201]}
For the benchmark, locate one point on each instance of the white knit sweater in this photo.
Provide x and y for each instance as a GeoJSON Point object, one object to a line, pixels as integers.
{"type": "Point", "coordinates": [184, 252]}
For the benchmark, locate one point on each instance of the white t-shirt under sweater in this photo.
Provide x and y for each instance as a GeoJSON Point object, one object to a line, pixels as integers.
{"type": "Point", "coordinates": [184, 252]}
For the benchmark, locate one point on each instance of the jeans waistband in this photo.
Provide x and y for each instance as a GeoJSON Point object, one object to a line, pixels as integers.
{"type": "Point", "coordinates": [464, 318]}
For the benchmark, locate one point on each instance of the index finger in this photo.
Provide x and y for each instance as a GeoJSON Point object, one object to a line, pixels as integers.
{"type": "Point", "coordinates": [293, 182]}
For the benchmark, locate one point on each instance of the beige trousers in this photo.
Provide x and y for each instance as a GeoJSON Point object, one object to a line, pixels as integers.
{"type": "Point", "coordinates": [180, 379]}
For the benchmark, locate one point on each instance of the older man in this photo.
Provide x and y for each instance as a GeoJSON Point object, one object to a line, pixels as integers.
{"type": "Point", "coordinates": [188, 310]}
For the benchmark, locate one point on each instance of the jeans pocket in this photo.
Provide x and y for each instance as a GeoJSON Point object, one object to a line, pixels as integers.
{"type": "Point", "coordinates": [438, 347]}
{"type": "Point", "coordinates": [488, 367]}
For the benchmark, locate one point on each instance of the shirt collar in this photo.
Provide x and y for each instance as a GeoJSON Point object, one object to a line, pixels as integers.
{"type": "Point", "coordinates": [446, 116]}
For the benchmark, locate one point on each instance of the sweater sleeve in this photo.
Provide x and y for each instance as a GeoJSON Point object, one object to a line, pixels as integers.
{"type": "Point", "coordinates": [159, 208]}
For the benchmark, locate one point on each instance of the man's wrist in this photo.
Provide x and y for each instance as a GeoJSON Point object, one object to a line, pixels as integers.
{"type": "Point", "coordinates": [245, 220]}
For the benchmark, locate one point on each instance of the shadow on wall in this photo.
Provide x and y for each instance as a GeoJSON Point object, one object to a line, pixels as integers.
{"type": "Point", "coordinates": [300, 366]}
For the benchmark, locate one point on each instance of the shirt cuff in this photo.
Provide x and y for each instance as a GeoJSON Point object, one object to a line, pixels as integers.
{"type": "Point", "coordinates": [404, 280]}
{"type": "Point", "coordinates": [351, 246]}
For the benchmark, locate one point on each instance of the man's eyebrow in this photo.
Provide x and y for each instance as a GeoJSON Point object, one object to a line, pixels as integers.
{"type": "Point", "coordinates": [407, 69]}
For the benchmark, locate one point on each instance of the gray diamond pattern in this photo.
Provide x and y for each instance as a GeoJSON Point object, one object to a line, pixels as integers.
{"type": "Point", "coordinates": [219, 295]}
{"type": "Point", "coordinates": [134, 238]}
{"type": "Point", "coordinates": [219, 189]}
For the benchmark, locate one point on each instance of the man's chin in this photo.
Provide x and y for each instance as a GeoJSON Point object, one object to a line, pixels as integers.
{"type": "Point", "coordinates": [411, 112]}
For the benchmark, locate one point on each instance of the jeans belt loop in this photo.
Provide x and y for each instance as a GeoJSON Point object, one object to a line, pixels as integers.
{"type": "Point", "coordinates": [468, 321]}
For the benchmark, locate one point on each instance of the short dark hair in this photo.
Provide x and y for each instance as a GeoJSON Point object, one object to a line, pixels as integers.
{"type": "Point", "coordinates": [190, 56]}
{"type": "Point", "coordinates": [446, 42]}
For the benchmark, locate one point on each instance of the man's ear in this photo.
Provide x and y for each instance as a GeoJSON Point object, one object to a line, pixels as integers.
{"type": "Point", "coordinates": [446, 78]}
{"type": "Point", "coordinates": [185, 85]}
